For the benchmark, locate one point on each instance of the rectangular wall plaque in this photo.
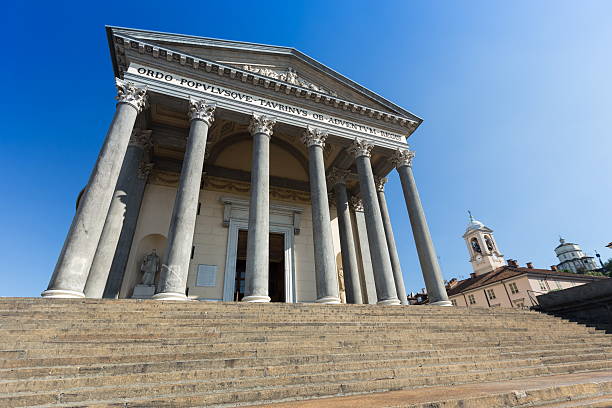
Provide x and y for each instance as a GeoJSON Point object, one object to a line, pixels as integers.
{"type": "Point", "coordinates": [206, 275]}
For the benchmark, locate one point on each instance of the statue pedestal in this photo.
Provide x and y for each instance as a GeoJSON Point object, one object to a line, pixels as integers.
{"type": "Point", "coordinates": [143, 291]}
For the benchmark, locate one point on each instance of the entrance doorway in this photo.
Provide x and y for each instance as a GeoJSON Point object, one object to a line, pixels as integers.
{"type": "Point", "coordinates": [276, 269]}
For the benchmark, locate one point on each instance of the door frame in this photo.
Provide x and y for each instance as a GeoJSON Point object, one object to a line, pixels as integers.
{"type": "Point", "coordinates": [229, 284]}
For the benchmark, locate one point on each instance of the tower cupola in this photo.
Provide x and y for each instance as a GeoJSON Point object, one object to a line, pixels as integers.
{"type": "Point", "coordinates": [484, 253]}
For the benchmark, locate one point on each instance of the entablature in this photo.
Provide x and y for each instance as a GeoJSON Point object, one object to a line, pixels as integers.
{"type": "Point", "coordinates": [128, 50]}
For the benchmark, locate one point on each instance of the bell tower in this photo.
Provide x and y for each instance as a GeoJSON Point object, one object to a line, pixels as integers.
{"type": "Point", "coordinates": [484, 253]}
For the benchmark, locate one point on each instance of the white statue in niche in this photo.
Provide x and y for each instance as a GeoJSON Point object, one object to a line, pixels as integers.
{"type": "Point", "coordinates": [149, 268]}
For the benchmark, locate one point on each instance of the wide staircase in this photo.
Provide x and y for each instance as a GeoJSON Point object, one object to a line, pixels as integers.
{"type": "Point", "coordinates": [128, 353]}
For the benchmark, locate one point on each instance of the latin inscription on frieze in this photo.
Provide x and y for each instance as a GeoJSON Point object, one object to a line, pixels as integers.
{"type": "Point", "coordinates": [257, 101]}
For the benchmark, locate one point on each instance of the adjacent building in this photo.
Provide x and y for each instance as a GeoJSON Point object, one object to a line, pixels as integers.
{"type": "Point", "coordinates": [572, 259]}
{"type": "Point", "coordinates": [497, 283]}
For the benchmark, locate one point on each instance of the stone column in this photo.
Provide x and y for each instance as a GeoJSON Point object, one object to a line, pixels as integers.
{"type": "Point", "coordinates": [402, 160]}
{"type": "Point", "coordinates": [363, 247]}
{"type": "Point", "coordinates": [383, 271]}
{"type": "Point", "coordinates": [395, 261]}
{"type": "Point", "coordinates": [175, 266]}
{"type": "Point", "coordinates": [324, 257]}
{"type": "Point", "coordinates": [124, 245]}
{"type": "Point", "coordinates": [347, 243]}
{"type": "Point", "coordinates": [72, 268]}
{"type": "Point", "coordinates": [122, 205]}
{"type": "Point", "coordinates": [257, 263]}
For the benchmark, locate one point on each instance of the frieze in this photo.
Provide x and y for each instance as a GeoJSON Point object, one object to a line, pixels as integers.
{"type": "Point", "coordinates": [259, 102]}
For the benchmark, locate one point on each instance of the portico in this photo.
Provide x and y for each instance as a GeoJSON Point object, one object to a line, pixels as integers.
{"type": "Point", "coordinates": [243, 139]}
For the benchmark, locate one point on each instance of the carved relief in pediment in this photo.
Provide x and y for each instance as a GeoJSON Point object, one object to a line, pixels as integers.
{"type": "Point", "coordinates": [290, 75]}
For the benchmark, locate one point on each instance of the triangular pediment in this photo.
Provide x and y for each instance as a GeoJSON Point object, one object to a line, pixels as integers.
{"type": "Point", "coordinates": [277, 63]}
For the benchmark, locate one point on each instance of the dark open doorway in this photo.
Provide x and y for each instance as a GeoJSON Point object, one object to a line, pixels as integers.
{"type": "Point", "coordinates": [276, 276]}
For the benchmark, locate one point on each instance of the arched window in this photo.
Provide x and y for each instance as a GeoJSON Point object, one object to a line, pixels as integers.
{"type": "Point", "coordinates": [476, 245]}
{"type": "Point", "coordinates": [489, 243]}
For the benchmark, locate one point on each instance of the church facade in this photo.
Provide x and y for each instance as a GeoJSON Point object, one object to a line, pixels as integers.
{"type": "Point", "coordinates": [242, 172]}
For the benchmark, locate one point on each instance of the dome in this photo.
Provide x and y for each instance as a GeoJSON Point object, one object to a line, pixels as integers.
{"type": "Point", "coordinates": [474, 224]}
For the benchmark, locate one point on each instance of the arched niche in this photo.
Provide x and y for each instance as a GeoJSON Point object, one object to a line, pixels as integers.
{"type": "Point", "coordinates": [145, 246]}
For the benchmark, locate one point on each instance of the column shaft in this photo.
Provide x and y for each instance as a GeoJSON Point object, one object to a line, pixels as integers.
{"type": "Point", "coordinates": [175, 266]}
{"type": "Point", "coordinates": [72, 268]}
{"type": "Point", "coordinates": [422, 238]}
{"type": "Point", "coordinates": [324, 257]}
{"type": "Point", "coordinates": [257, 263]}
{"type": "Point", "coordinates": [347, 246]}
{"type": "Point", "coordinates": [395, 262]}
{"type": "Point", "coordinates": [383, 271]}
{"type": "Point", "coordinates": [124, 245]}
{"type": "Point", "coordinates": [117, 213]}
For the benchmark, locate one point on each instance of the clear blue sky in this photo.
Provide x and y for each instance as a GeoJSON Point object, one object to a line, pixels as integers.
{"type": "Point", "coordinates": [516, 98]}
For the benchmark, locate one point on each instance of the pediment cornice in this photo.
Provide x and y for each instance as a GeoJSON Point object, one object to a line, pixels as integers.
{"type": "Point", "coordinates": [120, 43]}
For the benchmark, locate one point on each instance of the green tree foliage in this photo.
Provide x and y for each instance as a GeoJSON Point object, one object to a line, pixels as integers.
{"type": "Point", "coordinates": [607, 269]}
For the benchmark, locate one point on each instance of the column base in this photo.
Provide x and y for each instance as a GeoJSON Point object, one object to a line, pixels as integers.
{"type": "Point", "coordinates": [389, 302]}
{"type": "Point", "coordinates": [328, 300]}
{"type": "Point", "coordinates": [256, 299]}
{"type": "Point", "coordinates": [62, 294]}
{"type": "Point", "coordinates": [442, 303]}
{"type": "Point", "coordinates": [170, 296]}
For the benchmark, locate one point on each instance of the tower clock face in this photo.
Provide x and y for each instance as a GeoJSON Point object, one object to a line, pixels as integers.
{"type": "Point", "coordinates": [479, 258]}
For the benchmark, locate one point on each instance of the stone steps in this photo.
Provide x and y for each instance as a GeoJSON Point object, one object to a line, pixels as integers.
{"type": "Point", "coordinates": [148, 353]}
{"type": "Point", "coordinates": [383, 368]}
{"type": "Point", "coordinates": [226, 350]}
{"type": "Point", "coordinates": [289, 334]}
{"type": "Point", "coordinates": [312, 362]}
{"type": "Point", "coordinates": [558, 391]}
{"type": "Point", "coordinates": [215, 392]}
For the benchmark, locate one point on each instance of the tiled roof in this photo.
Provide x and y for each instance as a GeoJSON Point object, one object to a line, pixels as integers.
{"type": "Point", "coordinates": [506, 272]}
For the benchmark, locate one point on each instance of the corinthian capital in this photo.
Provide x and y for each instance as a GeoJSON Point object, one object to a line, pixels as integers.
{"type": "Point", "coordinates": [402, 157]}
{"type": "Point", "coordinates": [380, 182]}
{"type": "Point", "coordinates": [141, 138]}
{"type": "Point", "coordinates": [356, 203]}
{"type": "Point", "coordinates": [314, 137]}
{"type": "Point", "coordinates": [144, 169]}
{"type": "Point", "coordinates": [200, 110]}
{"type": "Point", "coordinates": [338, 176]}
{"type": "Point", "coordinates": [360, 148]}
{"type": "Point", "coordinates": [131, 94]}
{"type": "Point", "coordinates": [261, 124]}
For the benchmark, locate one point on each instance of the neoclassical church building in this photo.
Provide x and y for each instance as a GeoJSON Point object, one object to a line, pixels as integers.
{"type": "Point", "coordinates": [242, 172]}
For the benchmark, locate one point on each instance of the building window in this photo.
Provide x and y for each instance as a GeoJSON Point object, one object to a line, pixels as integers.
{"type": "Point", "coordinates": [490, 294]}
{"type": "Point", "coordinates": [206, 275]}
{"type": "Point", "coordinates": [513, 288]}
{"type": "Point", "coordinates": [454, 302]}
{"type": "Point", "coordinates": [476, 246]}
{"type": "Point", "coordinates": [543, 285]}
{"type": "Point", "coordinates": [472, 299]}
{"type": "Point", "coordinates": [489, 243]}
